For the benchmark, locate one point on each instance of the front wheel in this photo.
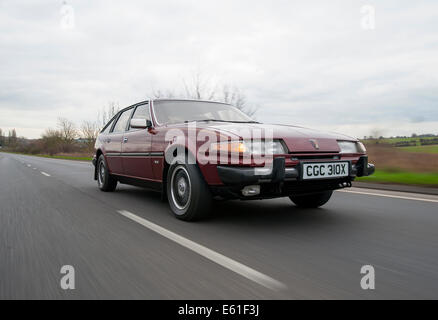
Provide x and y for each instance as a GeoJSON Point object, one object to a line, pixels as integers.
{"type": "Point", "coordinates": [105, 181]}
{"type": "Point", "coordinates": [188, 194]}
{"type": "Point", "coordinates": [314, 200]}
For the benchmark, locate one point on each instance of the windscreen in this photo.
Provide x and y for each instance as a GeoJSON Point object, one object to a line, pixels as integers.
{"type": "Point", "coordinates": [170, 112]}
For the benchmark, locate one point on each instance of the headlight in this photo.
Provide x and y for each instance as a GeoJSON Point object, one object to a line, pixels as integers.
{"type": "Point", "coordinates": [361, 147]}
{"type": "Point", "coordinates": [258, 147]}
{"type": "Point", "coordinates": [348, 147]}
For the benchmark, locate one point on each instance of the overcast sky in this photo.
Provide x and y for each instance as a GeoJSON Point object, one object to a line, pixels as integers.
{"type": "Point", "coordinates": [315, 63]}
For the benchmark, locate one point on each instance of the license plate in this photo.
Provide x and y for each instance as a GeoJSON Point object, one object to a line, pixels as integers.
{"type": "Point", "coordinates": [324, 170]}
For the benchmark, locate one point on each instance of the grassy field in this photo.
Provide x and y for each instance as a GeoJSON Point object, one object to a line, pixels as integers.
{"type": "Point", "coordinates": [395, 140]}
{"type": "Point", "coordinates": [421, 149]}
{"type": "Point", "coordinates": [402, 177]}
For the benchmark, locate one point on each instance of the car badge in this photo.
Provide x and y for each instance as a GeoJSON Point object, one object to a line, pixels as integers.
{"type": "Point", "coordinates": [314, 143]}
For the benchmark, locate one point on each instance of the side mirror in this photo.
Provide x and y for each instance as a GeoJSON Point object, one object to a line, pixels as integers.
{"type": "Point", "coordinates": [141, 124]}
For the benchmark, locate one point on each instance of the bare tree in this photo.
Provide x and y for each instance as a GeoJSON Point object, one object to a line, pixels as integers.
{"type": "Point", "coordinates": [198, 87]}
{"type": "Point", "coordinates": [233, 96]}
{"type": "Point", "coordinates": [157, 94]}
{"type": "Point", "coordinates": [68, 133]}
{"type": "Point", "coordinates": [52, 141]}
{"type": "Point", "coordinates": [67, 129]}
{"type": "Point", "coordinates": [14, 139]}
{"type": "Point", "coordinates": [89, 131]}
{"type": "Point", "coordinates": [107, 113]}
{"type": "Point", "coordinates": [376, 133]}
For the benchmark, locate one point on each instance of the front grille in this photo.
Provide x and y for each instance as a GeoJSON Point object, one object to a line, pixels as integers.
{"type": "Point", "coordinates": [316, 157]}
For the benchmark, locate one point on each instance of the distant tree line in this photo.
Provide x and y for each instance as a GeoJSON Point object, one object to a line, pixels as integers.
{"type": "Point", "coordinates": [414, 135]}
{"type": "Point", "coordinates": [68, 138]}
{"type": "Point", "coordinates": [65, 138]}
{"type": "Point", "coordinates": [9, 140]}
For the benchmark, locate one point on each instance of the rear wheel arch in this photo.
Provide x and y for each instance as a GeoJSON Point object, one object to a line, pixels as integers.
{"type": "Point", "coordinates": [105, 180]}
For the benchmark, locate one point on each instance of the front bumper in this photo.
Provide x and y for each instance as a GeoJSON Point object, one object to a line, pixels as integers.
{"type": "Point", "coordinates": [363, 168]}
{"type": "Point", "coordinates": [278, 172]}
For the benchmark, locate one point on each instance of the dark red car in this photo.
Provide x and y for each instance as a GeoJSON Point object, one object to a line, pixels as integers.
{"type": "Point", "coordinates": [196, 151]}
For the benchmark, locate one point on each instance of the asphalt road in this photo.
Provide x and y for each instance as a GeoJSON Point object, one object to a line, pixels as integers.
{"type": "Point", "coordinates": [126, 244]}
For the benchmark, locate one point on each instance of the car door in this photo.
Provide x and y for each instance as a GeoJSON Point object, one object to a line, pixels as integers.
{"type": "Point", "coordinates": [113, 143]}
{"type": "Point", "coordinates": [136, 147]}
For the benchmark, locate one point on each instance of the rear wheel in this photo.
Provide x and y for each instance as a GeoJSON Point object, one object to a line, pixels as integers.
{"type": "Point", "coordinates": [105, 181]}
{"type": "Point", "coordinates": [314, 200]}
{"type": "Point", "coordinates": [188, 194]}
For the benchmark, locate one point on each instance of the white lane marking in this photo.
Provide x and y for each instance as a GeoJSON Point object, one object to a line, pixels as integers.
{"type": "Point", "coordinates": [34, 168]}
{"type": "Point", "coordinates": [214, 256]}
{"type": "Point", "coordinates": [45, 174]}
{"type": "Point", "coordinates": [389, 196]}
{"type": "Point", "coordinates": [29, 165]}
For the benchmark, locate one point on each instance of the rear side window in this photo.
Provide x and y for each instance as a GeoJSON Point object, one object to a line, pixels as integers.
{"type": "Point", "coordinates": [122, 121]}
{"type": "Point", "coordinates": [142, 112]}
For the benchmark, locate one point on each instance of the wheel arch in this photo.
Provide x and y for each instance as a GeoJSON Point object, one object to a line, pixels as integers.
{"type": "Point", "coordinates": [166, 166]}
{"type": "Point", "coordinates": [98, 154]}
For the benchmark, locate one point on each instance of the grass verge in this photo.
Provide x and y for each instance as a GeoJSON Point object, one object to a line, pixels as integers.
{"type": "Point", "coordinates": [66, 157]}
{"type": "Point", "coordinates": [52, 157]}
{"type": "Point", "coordinates": [402, 177]}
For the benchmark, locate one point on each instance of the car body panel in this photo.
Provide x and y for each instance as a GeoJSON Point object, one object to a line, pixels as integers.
{"type": "Point", "coordinates": [113, 149]}
{"type": "Point", "coordinates": [141, 154]}
{"type": "Point", "coordinates": [136, 148]}
{"type": "Point", "coordinates": [296, 138]}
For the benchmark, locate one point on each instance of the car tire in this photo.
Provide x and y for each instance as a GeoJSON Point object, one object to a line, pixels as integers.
{"type": "Point", "coordinates": [188, 194]}
{"type": "Point", "coordinates": [314, 200]}
{"type": "Point", "coordinates": [105, 181]}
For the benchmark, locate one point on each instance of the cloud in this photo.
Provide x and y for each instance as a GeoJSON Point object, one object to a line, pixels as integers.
{"type": "Point", "coordinates": [306, 63]}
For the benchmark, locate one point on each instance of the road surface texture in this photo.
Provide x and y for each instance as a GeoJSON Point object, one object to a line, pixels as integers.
{"type": "Point", "coordinates": [127, 244]}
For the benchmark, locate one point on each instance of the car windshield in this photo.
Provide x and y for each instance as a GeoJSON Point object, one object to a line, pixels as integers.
{"type": "Point", "coordinates": [170, 112]}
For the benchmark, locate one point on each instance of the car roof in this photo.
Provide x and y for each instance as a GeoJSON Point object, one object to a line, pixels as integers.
{"type": "Point", "coordinates": [189, 100]}
{"type": "Point", "coordinates": [170, 99]}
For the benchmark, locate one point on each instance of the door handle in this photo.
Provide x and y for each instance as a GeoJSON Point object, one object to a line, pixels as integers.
{"type": "Point", "coordinates": [125, 140]}
{"type": "Point", "coordinates": [108, 140]}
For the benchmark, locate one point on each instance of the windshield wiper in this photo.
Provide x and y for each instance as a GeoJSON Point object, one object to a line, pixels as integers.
{"type": "Point", "coordinates": [217, 120]}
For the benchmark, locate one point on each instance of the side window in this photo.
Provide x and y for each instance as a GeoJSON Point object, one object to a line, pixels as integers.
{"type": "Point", "coordinates": [142, 112]}
{"type": "Point", "coordinates": [122, 122]}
